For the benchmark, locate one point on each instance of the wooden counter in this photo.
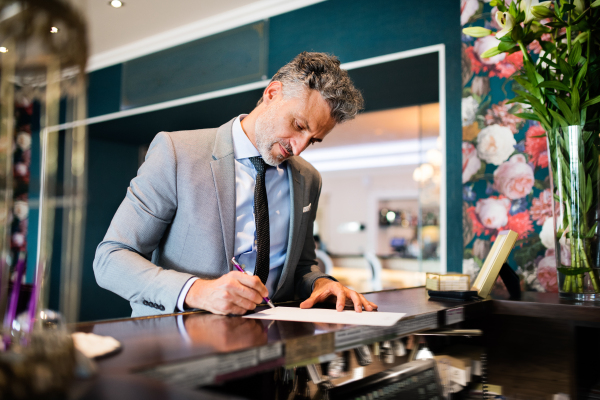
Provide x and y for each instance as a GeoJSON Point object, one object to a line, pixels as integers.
{"type": "Point", "coordinates": [190, 349]}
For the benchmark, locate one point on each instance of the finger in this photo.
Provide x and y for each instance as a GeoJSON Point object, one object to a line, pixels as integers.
{"type": "Point", "coordinates": [316, 297]}
{"type": "Point", "coordinates": [308, 303]}
{"type": "Point", "coordinates": [252, 282]}
{"type": "Point", "coordinates": [243, 303]}
{"type": "Point", "coordinates": [375, 306]}
{"type": "Point", "coordinates": [358, 305]}
{"type": "Point", "coordinates": [246, 292]}
{"type": "Point", "coordinates": [365, 303]}
{"type": "Point", "coordinates": [235, 310]}
{"type": "Point", "coordinates": [341, 299]}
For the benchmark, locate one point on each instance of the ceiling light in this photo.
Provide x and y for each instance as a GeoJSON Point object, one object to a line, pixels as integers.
{"type": "Point", "coordinates": [54, 30]}
{"type": "Point", "coordinates": [3, 50]}
{"type": "Point", "coordinates": [116, 3]}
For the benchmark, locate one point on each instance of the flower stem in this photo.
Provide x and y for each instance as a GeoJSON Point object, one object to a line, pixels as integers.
{"type": "Point", "coordinates": [525, 53]}
{"type": "Point", "coordinates": [587, 265]}
{"type": "Point", "coordinates": [567, 284]}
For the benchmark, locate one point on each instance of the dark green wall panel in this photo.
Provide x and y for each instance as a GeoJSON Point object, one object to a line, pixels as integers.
{"type": "Point", "coordinates": [104, 91]}
{"type": "Point", "coordinates": [111, 167]}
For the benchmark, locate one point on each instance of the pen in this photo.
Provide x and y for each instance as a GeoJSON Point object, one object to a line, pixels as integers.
{"type": "Point", "coordinates": [239, 268]}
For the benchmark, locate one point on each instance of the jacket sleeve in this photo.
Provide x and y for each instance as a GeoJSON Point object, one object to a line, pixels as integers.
{"type": "Point", "coordinates": [307, 270]}
{"type": "Point", "coordinates": [122, 263]}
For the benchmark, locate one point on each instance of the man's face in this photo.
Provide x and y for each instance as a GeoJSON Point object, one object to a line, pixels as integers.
{"type": "Point", "coordinates": [290, 124]}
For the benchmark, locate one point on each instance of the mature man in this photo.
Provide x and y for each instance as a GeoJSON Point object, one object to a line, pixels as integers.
{"type": "Point", "coordinates": [202, 197]}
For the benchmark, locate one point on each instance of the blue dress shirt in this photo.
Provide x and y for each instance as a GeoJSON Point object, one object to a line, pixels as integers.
{"type": "Point", "coordinates": [278, 196]}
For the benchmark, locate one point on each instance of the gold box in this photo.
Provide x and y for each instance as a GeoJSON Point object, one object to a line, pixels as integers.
{"type": "Point", "coordinates": [447, 281]}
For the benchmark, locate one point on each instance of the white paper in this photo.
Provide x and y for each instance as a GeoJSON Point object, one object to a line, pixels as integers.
{"type": "Point", "coordinates": [350, 317]}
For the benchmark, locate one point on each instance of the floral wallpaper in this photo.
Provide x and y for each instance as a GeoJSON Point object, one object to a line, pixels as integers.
{"type": "Point", "coordinates": [504, 161]}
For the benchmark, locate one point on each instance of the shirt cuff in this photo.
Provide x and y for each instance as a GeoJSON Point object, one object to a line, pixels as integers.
{"type": "Point", "coordinates": [184, 292]}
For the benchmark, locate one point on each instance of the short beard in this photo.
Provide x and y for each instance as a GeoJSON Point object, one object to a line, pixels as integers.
{"type": "Point", "coordinates": [265, 138]}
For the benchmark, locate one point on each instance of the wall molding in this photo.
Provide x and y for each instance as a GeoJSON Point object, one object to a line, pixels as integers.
{"type": "Point", "coordinates": [196, 30]}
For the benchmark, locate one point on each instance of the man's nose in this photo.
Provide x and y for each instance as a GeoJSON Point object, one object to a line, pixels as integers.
{"type": "Point", "coordinates": [299, 144]}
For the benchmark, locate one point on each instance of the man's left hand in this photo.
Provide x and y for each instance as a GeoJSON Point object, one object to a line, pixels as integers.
{"type": "Point", "coordinates": [326, 288]}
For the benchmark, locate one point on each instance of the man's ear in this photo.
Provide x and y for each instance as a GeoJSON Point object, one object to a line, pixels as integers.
{"type": "Point", "coordinates": [274, 89]}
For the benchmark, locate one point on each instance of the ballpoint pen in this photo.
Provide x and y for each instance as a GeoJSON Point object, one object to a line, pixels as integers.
{"type": "Point", "coordinates": [239, 268]}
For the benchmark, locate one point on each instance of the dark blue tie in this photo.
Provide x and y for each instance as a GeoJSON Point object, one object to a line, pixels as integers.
{"type": "Point", "coordinates": [261, 220]}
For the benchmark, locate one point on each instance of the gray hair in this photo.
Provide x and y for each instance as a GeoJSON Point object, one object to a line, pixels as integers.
{"type": "Point", "coordinates": [322, 72]}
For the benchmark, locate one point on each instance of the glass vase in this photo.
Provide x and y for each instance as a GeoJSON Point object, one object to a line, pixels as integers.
{"type": "Point", "coordinates": [574, 154]}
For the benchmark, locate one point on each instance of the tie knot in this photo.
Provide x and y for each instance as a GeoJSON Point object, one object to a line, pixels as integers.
{"type": "Point", "coordinates": [259, 165]}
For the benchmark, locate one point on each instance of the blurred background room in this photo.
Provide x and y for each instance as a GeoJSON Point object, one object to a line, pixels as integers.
{"type": "Point", "coordinates": [390, 177]}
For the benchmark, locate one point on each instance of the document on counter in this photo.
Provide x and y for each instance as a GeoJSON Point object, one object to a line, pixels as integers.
{"type": "Point", "coordinates": [350, 317]}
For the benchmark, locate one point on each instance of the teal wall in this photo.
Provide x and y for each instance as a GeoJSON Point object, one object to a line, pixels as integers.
{"type": "Point", "coordinates": [350, 29]}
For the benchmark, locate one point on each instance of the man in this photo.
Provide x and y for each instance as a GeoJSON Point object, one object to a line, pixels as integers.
{"type": "Point", "coordinates": [203, 197]}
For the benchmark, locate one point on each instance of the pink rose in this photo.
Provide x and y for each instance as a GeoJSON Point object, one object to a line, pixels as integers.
{"type": "Point", "coordinates": [514, 178]}
{"type": "Point", "coordinates": [470, 162]}
{"type": "Point", "coordinates": [468, 8]}
{"type": "Point", "coordinates": [484, 44]}
{"type": "Point", "coordinates": [493, 213]}
{"type": "Point", "coordinates": [546, 274]}
{"type": "Point", "coordinates": [18, 240]}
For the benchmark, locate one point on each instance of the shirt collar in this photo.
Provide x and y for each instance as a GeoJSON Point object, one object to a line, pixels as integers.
{"type": "Point", "coordinates": [242, 146]}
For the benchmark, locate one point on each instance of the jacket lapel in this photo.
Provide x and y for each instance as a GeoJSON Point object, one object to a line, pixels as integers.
{"type": "Point", "coordinates": [223, 170]}
{"type": "Point", "coordinates": [296, 180]}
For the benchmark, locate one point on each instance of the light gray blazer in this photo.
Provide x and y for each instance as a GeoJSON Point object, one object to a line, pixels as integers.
{"type": "Point", "coordinates": [178, 220]}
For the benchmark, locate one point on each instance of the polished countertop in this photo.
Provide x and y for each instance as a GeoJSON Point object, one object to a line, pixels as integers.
{"type": "Point", "coordinates": [186, 350]}
{"type": "Point", "coordinates": [174, 338]}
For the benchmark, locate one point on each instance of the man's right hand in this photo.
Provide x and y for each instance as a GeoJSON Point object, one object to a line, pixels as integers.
{"type": "Point", "coordinates": [233, 293]}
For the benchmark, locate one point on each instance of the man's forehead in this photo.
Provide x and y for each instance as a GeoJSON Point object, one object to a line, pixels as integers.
{"type": "Point", "coordinates": [315, 113]}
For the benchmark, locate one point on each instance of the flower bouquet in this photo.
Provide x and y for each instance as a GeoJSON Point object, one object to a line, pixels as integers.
{"type": "Point", "coordinates": [560, 88]}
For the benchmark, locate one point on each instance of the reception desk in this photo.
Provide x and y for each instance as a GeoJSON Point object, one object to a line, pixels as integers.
{"type": "Point", "coordinates": [181, 352]}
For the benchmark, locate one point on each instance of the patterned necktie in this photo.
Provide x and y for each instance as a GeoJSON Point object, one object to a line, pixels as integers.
{"type": "Point", "coordinates": [261, 220]}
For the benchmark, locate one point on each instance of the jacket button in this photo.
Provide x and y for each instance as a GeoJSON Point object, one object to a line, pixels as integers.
{"type": "Point", "coordinates": [152, 305]}
{"type": "Point", "coordinates": [145, 302]}
{"type": "Point", "coordinates": [162, 308]}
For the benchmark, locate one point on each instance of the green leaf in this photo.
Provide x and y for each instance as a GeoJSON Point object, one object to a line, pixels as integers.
{"type": "Point", "coordinates": [528, 116]}
{"type": "Point", "coordinates": [505, 46]}
{"type": "Point", "coordinates": [477, 31]}
{"type": "Point", "coordinates": [517, 99]}
{"type": "Point", "coordinates": [517, 32]}
{"type": "Point", "coordinates": [575, 54]}
{"type": "Point", "coordinates": [494, 51]}
{"type": "Point", "coordinates": [566, 7]}
{"type": "Point", "coordinates": [512, 10]}
{"type": "Point", "coordinates": [575, 106]}
{"type": "Point", "coordinates": [582, 37]}
{"type": "Point", "coordinates": [556, 24]}
{"type": "Point", "coordinates": [565, 109]}
{"type": "Point", "coordinates": [542, 12]}
{"type": "Point", "coordinates": [548, 47]}
{"type": "Point", "coordinates": [573, 271]}
{"type": "Point", "coordinates": [549, 62]}
{"type": "Point", "coordinates": [531, 88]}
{"type": "Point", "coordinates": [535, 103]}
{"type": "Point", "coordinates": [559, 118]}
{"type": "Point", "coordinates": [565, 68]}
{"type": "Point", "coordinates": [591, 102]}
{"type": "Point", "coordinates": [589, 194]}
{"type": "Point", "coordinates": [595, 4]}
{"type": "Point", "coordinates": [580, 76]}
{"type": "Point", "coordinates": [554, 85]}
{"type": "Point", "coordinates": [592, 232]}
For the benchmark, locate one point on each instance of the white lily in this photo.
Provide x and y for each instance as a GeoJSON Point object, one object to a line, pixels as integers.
{"type": "Point", "coordinates": [506, 21]}
{"type": "Point", "coordinates": [527, 7]}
